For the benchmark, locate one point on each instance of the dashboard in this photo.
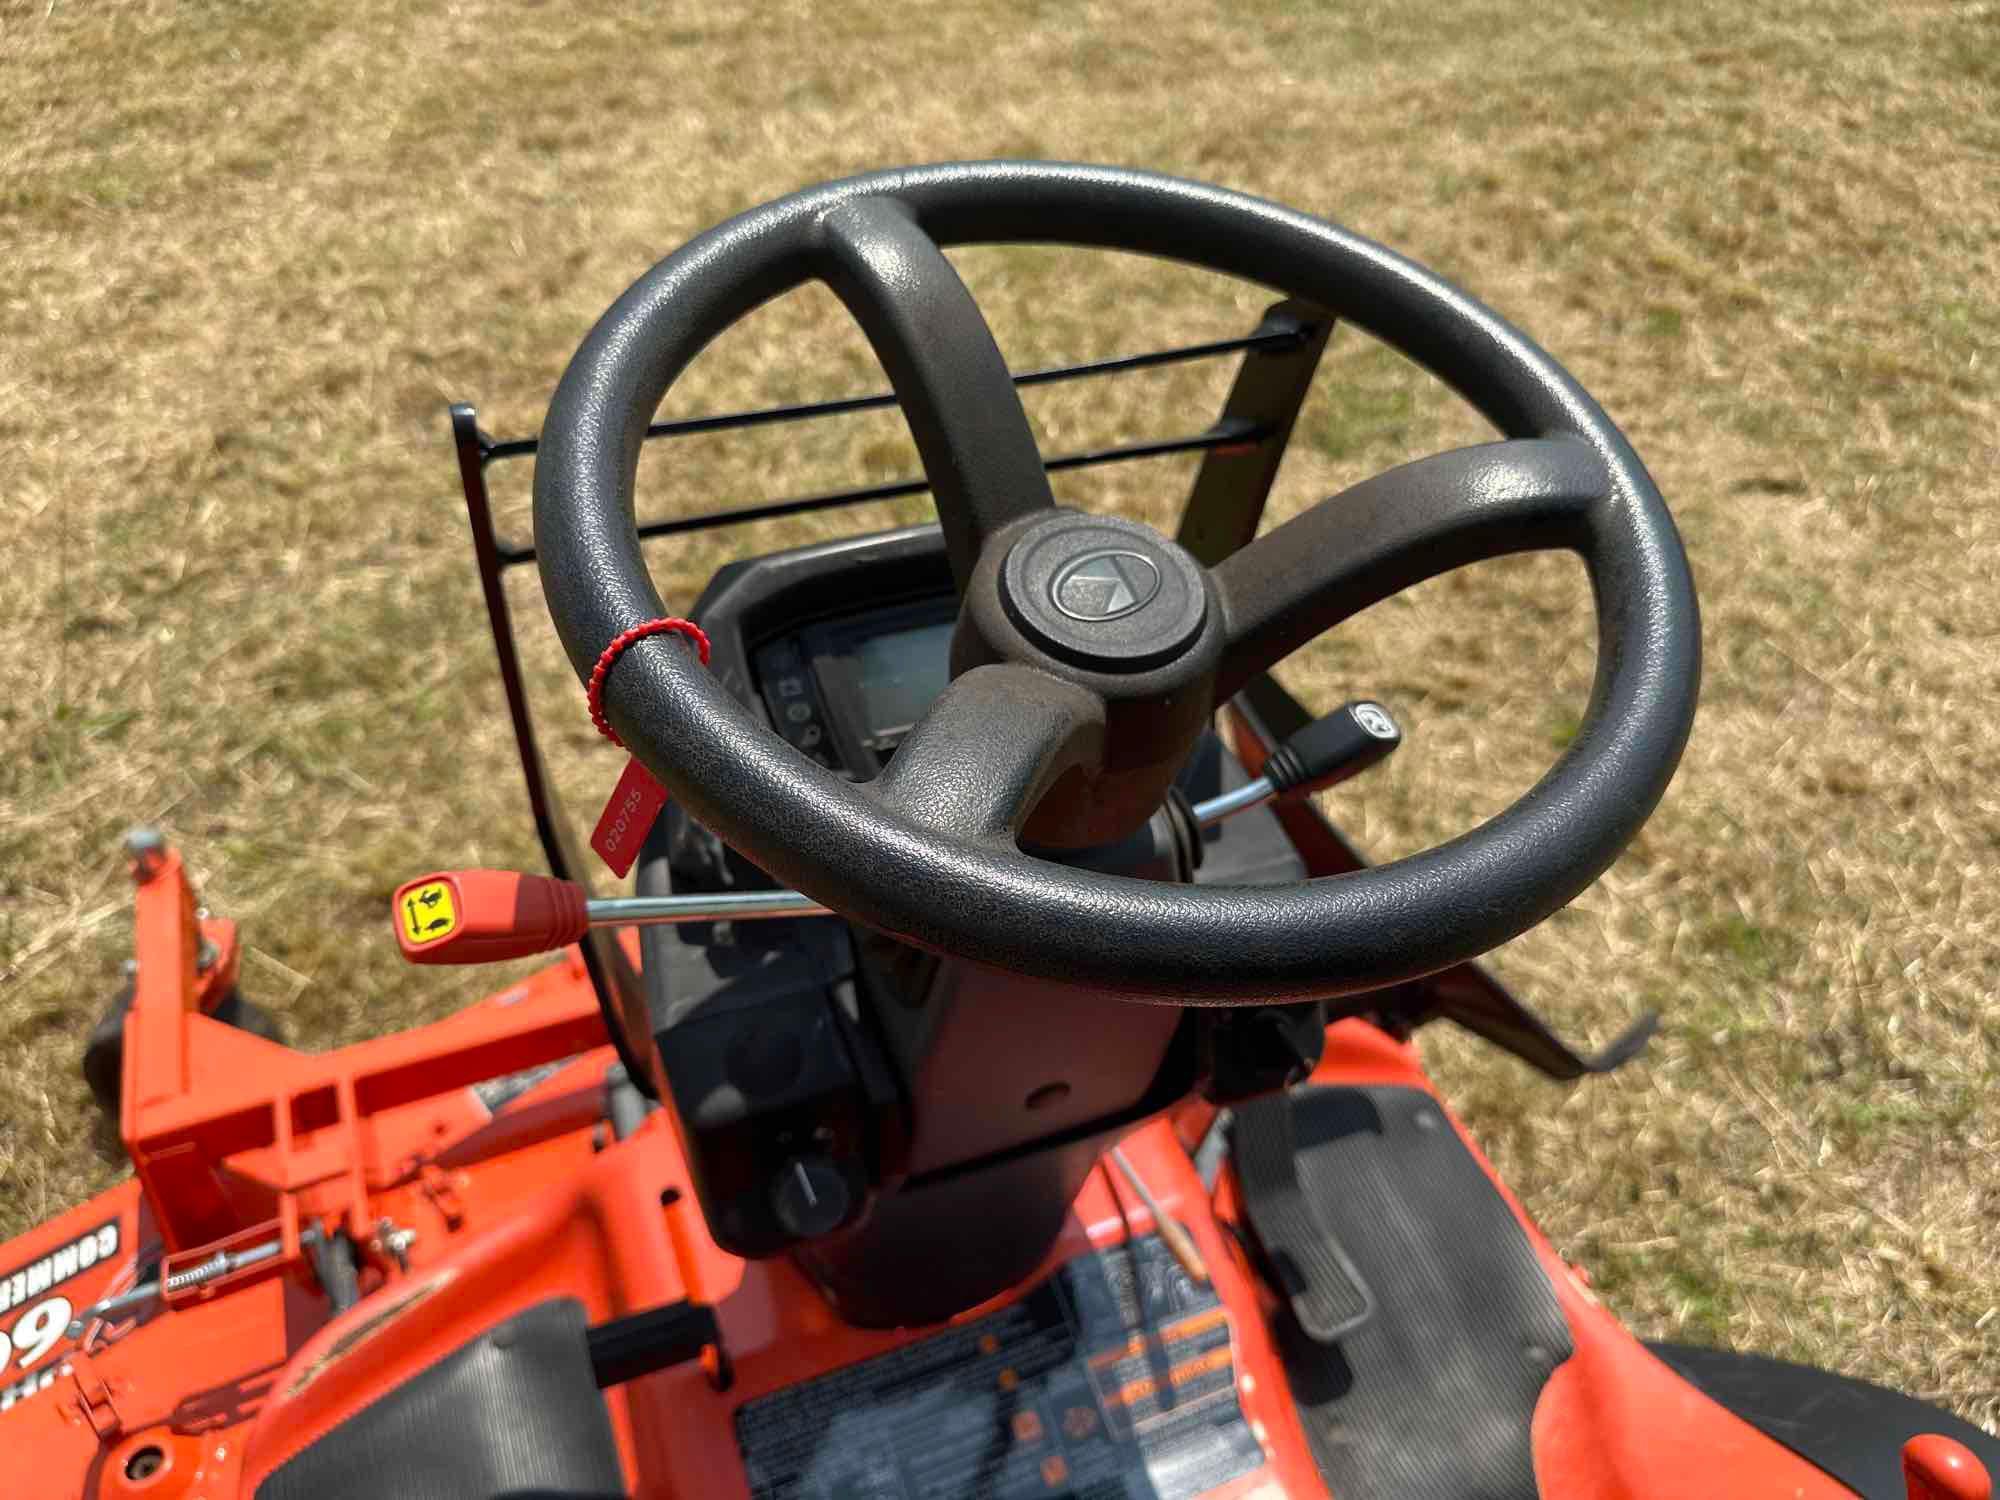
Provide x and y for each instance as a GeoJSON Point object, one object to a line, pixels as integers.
{"type": "Point", "coordinates": [846, 691]}
{"type": "Point", "coordinates": [841, 646]}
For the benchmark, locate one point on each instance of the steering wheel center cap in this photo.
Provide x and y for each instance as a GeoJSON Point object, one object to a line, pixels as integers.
{"type": "Point", "coordinates": [1104, 593]}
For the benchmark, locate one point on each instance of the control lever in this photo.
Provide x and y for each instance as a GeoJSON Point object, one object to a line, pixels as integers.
{"type": "Point", "coordinates": [1325, 753]}
{"type": "Point", "coordinates": [1165, 1224]}
{"type": "Point", "coordinates": [483, 916]}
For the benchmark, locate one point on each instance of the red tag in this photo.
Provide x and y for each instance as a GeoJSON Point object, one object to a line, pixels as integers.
{"type": "Point", "coordinates": [628, 817]}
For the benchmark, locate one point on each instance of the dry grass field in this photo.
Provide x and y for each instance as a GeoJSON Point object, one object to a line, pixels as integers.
{"type": "Point", "coordinates": [249, 251]}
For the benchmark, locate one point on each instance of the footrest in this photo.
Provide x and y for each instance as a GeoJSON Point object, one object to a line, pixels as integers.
{"type": "Point", "coordinates": [1329, 1299]}
{"type": "Point", "coordinates": [1434, 1394]}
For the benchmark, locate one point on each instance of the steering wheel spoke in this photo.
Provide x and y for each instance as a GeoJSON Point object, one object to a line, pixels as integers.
{"type": "Point", "coordinates": [956, 391]}
{"type": "Point", "coordinates": [1397, 529]}
{"type": "Point", "coordinates": [977, 763]}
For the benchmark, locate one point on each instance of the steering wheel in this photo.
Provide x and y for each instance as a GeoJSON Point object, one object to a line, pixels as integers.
{"type": "Point", "coordinates": [1090, 651]}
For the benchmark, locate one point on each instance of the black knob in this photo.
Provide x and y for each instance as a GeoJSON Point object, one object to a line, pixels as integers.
{"type": "Point", "coordinates": [1328, 751]}
{"type": "Point", "coordinates": [810, 1197]}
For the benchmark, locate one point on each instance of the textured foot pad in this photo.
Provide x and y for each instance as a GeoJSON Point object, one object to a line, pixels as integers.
{"type": "Point", "coordinates": [1327, 1294]}
{"type": "Point", "coordinates": [1433, 1394]}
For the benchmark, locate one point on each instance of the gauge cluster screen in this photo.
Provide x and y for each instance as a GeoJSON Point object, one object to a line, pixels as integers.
{"type": "Point", "coordinates": [899, 675]}
{"type": "Point", "coordinates": [846, 691]}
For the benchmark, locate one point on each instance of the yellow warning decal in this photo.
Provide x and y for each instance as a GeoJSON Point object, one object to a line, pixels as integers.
{"type": "Point", "coordinates": [428, 912]}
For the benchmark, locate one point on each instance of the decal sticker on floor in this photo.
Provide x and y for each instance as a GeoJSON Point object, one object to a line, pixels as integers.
{"type": "Point", "coordinates": [1113, 1380]}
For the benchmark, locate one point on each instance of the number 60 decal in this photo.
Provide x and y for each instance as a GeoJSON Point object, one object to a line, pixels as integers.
{"type": "Point", "coordinates": [36, 1327]}
{"type": "Point", "coordinates": [38, 1331]}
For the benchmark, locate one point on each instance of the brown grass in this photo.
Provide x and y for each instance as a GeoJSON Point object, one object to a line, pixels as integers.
{"type": "Point", "coordinates": [249, 252]}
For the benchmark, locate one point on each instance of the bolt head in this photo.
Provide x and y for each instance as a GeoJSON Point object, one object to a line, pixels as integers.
{"type": "Point", "coordinates": [146, 848]}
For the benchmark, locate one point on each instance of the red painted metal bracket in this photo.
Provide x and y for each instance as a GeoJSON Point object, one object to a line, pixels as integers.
{"type": "Point", "coordinates": [233, 1136]}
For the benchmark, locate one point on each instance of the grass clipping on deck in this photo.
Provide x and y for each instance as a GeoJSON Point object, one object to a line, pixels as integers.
{"type": "Point", "coordinates": [251, 251]}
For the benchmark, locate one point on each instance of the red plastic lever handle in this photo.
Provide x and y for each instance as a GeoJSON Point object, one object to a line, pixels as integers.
{"type": "Point", "coordinates": [480, 916]}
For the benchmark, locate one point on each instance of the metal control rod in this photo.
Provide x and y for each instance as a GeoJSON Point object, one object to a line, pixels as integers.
{"type": "Point", "coordinates": [1228, 804]}
{"type": "Point", "coordinates": [722, 906]}
{"type": "Point", "coordinates": [479, 916]}
{"type": "Point", "coordinates": [751, 906]}
{"type": "Point", "coordinates": [1347, 741]}
{"type": "Point", "coordinates": [214, 1268]}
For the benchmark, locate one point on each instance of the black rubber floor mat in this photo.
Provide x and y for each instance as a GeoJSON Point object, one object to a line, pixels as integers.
{"type": "Point", "coordinates": [1434, 1395]}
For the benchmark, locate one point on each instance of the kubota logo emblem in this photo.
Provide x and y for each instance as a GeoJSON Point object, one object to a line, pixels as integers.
{"type": "Point", "coordinates": [1105, 586]}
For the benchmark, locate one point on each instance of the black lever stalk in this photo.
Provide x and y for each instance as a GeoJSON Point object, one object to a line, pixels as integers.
{"type": "Point", "coordinates": [1328, 751]}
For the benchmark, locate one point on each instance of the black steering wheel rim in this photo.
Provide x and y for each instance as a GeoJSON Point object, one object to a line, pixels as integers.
{"type": "Point", "coordinates": [928, 861]}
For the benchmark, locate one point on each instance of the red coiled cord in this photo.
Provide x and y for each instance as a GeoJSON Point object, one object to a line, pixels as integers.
{"type": "Point", "coordinates": [610, 654]}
